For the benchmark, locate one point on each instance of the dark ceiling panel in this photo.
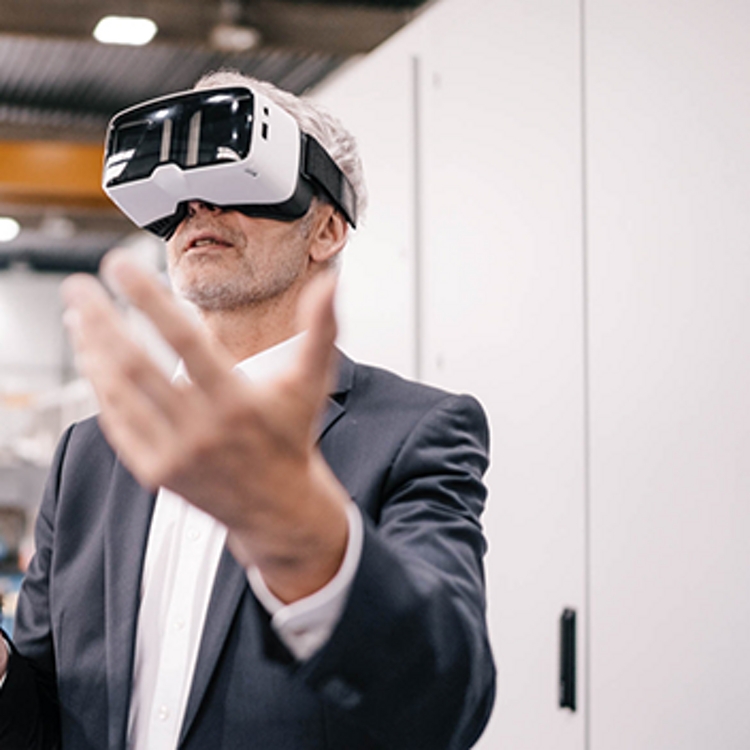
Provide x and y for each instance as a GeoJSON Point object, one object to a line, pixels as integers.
{"type": "Point", "coordinates": [55, 79]}
{"type": "Point", "coordinates": [297, 23]}
{"type": "Point", "coordinates": [77, 85]}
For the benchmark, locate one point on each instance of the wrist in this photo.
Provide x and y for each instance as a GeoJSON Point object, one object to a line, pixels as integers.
{"type": "Point", "coordinates": [301, 549]}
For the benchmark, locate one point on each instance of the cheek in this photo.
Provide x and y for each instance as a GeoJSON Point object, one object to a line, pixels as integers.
{"type": "Point", "coordinates": [293, 245]}
{"type": "Point", "coordinates": [171, 256]}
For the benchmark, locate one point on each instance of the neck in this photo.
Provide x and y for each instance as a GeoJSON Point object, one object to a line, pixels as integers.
{"type": "Point", "coordinates": [247, 331]}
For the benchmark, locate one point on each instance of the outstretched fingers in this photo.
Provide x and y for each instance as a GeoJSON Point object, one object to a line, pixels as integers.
{"type": "Point", "coordinates": [314, 371]}
{"type": "Point", "coordinates": [102, 342]}
{"type": "Point", "coordinates": [138, 404]}
{"type": "Point", "coordinates": [208, 366]}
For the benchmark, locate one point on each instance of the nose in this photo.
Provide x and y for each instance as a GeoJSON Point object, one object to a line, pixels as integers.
{"type": "Point", "coordinates": [195, 207]}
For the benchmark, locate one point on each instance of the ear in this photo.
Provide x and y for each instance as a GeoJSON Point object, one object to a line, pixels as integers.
{"type": "Point", "coordinates": [329, 235]}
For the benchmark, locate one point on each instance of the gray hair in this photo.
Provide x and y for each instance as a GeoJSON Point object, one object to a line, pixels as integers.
{"type": "Point", "coordinates": [312, 118]}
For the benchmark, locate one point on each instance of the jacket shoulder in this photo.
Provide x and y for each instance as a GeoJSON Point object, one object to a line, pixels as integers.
{"type": "Point", "coordinates": [380, 390]}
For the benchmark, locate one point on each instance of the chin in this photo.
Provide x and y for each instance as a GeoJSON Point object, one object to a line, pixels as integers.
{"type": "Point", "coordinates": [212, 295]}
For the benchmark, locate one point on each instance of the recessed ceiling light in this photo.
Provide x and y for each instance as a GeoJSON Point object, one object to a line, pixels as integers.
{"type": "Point", "coordinates": [125, 30]}
{"type": "Point", "coordinates": [230, 37]}
{"type": "Point", "coordinates": [9, 229]}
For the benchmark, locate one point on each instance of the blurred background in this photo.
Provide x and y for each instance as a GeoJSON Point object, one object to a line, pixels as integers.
{"type": "Point", "coordinates": [558, 224]}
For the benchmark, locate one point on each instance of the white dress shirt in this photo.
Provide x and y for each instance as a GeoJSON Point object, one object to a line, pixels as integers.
{"type": "Point", "coordinates": [182, 556]}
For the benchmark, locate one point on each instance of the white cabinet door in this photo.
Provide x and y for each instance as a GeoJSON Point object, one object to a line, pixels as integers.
{"type": "Point", "coordinates": [503, 318]}
{"type": "Point", "coordinates": [470, 126]}
{"type": "Point", "coordinates": [669, 187]}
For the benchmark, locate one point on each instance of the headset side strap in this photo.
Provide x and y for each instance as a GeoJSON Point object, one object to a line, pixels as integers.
{"type": "Point", "coordinates": [323, 171]}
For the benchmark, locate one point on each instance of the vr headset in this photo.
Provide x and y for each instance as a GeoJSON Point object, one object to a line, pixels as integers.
{"type": "Point", "coordinates": [229, 147]}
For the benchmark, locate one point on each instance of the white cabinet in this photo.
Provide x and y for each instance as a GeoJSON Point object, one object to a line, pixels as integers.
{"type": "Point", "coordinates": [469, 123]}
{"type": "Point", "coordinates": [669, 229]}
{"type": "Point", "coordinates": [503, 318]}
{"type": "Point", "coordinates": [559, 225]}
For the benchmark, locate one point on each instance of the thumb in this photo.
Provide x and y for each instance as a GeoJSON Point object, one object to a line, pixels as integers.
{"type": "Point", "coordinates": [316, 315]}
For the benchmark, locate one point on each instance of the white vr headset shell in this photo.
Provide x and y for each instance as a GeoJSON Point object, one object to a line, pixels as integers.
{"type": "Point", "coordinates": [170, 150]}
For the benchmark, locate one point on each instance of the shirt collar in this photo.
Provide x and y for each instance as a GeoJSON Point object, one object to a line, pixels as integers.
{"type": "Point", "coordinates": [263, 365]}
{"type": "Point", "coordinates": [270, 362]}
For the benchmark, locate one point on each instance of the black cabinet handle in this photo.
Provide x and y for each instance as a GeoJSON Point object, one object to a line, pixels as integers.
{"type": "Point", "coordinates": [567, 696]}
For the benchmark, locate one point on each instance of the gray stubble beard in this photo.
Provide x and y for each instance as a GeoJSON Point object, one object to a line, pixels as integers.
{"type": "Point", "coordinates": [241, 290]}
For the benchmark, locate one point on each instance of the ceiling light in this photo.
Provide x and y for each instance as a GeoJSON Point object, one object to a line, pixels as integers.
{"type": "Point", "coordinates": [9, 229]}
{"type": "Point", "coordinates": [125, 30]}
{"type": "Point", "coordinates": [230, 34]}
{"type": "Point", "coordinates": [229, 37]}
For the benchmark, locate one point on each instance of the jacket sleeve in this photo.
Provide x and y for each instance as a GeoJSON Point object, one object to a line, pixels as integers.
{"type": "Point", "coordinates": [410, 658]}
{"type": "Point", "coordinates": [29, 715]}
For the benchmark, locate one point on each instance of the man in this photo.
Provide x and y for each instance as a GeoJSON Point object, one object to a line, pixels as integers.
{"type": "Point", "coordinates": [276, 549]}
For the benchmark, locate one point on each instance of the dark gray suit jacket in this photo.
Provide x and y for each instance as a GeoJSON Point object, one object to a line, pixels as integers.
{"type": "Point", "coordinates": [408, 667]}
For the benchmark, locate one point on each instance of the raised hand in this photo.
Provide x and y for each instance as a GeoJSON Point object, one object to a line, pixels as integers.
{"type": "Point", "coordinates": [244, 453]}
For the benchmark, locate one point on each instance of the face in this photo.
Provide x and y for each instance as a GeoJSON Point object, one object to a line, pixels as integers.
{"type": "Point", "coordinates": [224, 260]}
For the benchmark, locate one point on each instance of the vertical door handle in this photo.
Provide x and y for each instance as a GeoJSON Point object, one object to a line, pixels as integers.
{"type": "Point", "coordinates": [567, 691]}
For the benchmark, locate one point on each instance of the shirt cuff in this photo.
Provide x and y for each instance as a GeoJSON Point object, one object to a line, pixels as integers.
{"type": "Point", "coordinates": [305, 625]}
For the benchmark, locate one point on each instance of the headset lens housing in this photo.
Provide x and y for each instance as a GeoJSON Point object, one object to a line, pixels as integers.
{"type": "Point", "coordinates": [193, 130]}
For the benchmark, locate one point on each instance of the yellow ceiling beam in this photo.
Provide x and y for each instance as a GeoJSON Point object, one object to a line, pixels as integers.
{"type": "Point", "coordinates": [54, 172]}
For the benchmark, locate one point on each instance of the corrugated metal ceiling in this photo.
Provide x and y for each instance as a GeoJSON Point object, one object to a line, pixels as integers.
{"type": "Point", "coordinates": [54, 76]}
{"type": "Point", "coordinates": [70, 88]}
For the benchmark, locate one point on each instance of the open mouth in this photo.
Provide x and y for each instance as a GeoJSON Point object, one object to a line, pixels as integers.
{"type": "Point", "coordinates": [206, 241]}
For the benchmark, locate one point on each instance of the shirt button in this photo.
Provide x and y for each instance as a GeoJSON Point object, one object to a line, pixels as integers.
{"type": "Point", "coordinates": [163, 713]}
{"type": "Point", "coordinates": [193, 535]}
{"type": "Point", "coordinates": [179, 623]}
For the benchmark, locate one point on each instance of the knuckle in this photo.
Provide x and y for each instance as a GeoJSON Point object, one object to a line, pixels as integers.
{"type": "Point", "coordinates": [132, 363]}
{"type": "Point", "coordinates": [108, 396]}
{"type": "Point", "coordinates": [199, 444]}
{"type": "Point", "coordinates": [232, 415]}
{"type": "Point", "coordinates": [229, 404]}
{"type": "Point", "coordinates": [183, 338]}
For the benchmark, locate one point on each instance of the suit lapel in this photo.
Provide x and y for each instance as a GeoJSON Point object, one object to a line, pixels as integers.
{"type": "Point", "coordinates": [231, 582]}
{"type": "Point", "coordinates": [128, 519]}
{"type": "Point", "coordinates": [335, 407]}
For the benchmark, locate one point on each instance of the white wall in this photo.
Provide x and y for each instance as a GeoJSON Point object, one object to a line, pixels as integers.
{"type": "Point", "coordinates": [376, 298]}
{"type": "Point", "coordinates": [31, 355]}
{"type": "Point", "coordinates": [33, 350]}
